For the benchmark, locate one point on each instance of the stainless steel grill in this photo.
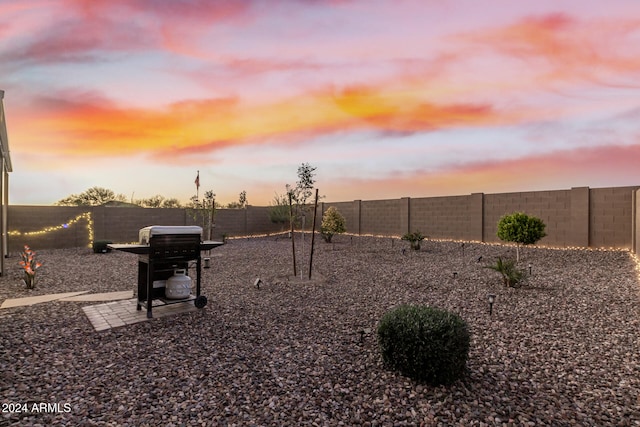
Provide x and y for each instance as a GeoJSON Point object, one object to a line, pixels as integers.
{"type": "Point", "coordinates": [161, 250]}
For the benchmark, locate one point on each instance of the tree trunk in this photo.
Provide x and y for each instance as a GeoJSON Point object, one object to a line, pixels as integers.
{"type": "Point", "coordinates": [313, 233]}
{"type": "Point", "coordinates": [293, 238]}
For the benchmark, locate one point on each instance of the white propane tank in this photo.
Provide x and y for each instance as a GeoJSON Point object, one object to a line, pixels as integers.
{"type": "Point", "coordinates": [179, 285]}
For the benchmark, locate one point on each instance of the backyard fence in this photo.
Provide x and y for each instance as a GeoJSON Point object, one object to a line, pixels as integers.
{"type": "Point", "coordinates": [578, 217]}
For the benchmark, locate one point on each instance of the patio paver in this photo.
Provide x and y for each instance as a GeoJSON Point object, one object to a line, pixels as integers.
{"type": "Point", "coordinates": [121, 313]}
{"type": "Point", "coordinates": [107, 296]}
{"type": "Point", "coordinates": [18, 302]}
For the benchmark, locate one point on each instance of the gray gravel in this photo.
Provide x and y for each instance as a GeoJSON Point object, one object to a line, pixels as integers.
{"type": "Point", "coordinates": [561, 350]}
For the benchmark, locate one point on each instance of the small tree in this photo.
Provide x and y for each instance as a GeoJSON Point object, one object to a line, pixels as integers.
{"type": "Point", "coordinates": [303, 190]}
{"type": "Point", "coordinates": [241, 203]}
{"type": "Point", "coordinates": [94, 196]}
{"type": "Point", "coordinates": [521, 229]}
{"type": "Point", "coordinates": [298, 197]}
{"type": "Point", "coordinates": [332, 223]}
{"type": "Point", "coordinates": [204, 210]}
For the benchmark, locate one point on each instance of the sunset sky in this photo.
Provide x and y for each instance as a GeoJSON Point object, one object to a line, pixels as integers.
{"type": "Point", "coordinates": [387, 99]}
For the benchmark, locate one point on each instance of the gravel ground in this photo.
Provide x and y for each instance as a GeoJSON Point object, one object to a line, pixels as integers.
{"type": "Point", "coordinates": [561, 350]}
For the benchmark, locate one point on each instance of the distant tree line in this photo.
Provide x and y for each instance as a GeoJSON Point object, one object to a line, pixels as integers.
{"type": "Point", "coordinates": [98, 196]}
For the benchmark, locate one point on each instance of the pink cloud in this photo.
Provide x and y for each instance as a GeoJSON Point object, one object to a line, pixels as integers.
{"type": "Point", "coordinates": [569, 47]}
{"type": "Point", "coordinates": [173, 24]}
{"type": "Point", "coordinates": [607, 165]}
{"type": "Point", "coordinates": [70, 37]}
{"type": "Point", "coordinates": [76, 30]}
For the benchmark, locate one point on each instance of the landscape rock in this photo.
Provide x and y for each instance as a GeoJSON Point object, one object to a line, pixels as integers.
{"type": "Point", "coordinates": [563, 349]}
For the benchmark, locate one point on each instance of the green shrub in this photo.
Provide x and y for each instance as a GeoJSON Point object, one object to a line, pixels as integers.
{"type": "Point", "coordinates": [414, 239]}
{"type": "Point", "coordinates": [521, 229]}
{"type": "Point", "coordinates": [510, 273]}
{"type": "Point", "coordinates": [424, 343]}
{"type": "Point", "coordinates": [332, 223]}
{"type": "Point", "coordinates": [100, 246]}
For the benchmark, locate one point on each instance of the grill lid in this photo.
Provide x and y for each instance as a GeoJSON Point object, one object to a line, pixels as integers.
{"type": "Point", "coordinates": [154, 230]}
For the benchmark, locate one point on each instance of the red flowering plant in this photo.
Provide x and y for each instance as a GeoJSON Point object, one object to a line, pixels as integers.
{"type": "Point", "coordinates": [30, 265]}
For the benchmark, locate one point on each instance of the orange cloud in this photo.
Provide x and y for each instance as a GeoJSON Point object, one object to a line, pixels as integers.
{"type": "Point", "coordinates": [88, 124]}
{"type": "Point", "coordinates": [403, 112]}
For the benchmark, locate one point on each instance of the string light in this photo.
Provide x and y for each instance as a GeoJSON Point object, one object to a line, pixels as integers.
{"type": "Point", "coordinates": [86, 216]}
{"type": "Point", "coordinates": [444, 240]}
{"type": "Point", "coordinates": [636, 260]}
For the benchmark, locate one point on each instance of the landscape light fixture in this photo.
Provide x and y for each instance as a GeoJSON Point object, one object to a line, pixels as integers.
{"type": "Point", "coordinates": [530, 268]}
{"type": "Point", "coordinates": [492, 299]}
{"type": "Point", "coordinates": [207, 262]}
{"type": "Point", "coordinates": [455, 274]}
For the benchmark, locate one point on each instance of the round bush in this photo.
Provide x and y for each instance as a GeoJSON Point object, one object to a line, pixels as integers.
{"type": "Point", "coordinates": [424, 343]}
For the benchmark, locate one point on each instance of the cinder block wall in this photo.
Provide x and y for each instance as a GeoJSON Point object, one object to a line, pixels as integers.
{"type": "Point", "coordinates": [258, 221]}
{"type": "Point", "coordinates": [118, 224]}
{"type": "Point", "coordinates": [579, 217]}
{"type": "Point", "coordinates": [242, 222]}
{"type": "Point", "coordinates": [349, 210]}
{"type": "Point", "coordinates": [380, 217]}
{"type": "Point", "coordinates": [42, 227]}
{"type": "Point", "coordinates": [610, 219]}
{"type": "Point", "coordinates": [121, 225]}
{"type": "Point", "coordinates": [553, 207]}
{"type": "Point", "coordinates": [231, 222]}
{"type": "Point", "coordinates": [453, 217]}
{"type": "Point", "coordinates": [598, 218]}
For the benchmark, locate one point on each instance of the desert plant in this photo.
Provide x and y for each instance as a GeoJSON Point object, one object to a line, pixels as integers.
{"type": "Point", "coordinates": [30, 265]}
{"type": "Point", "coordinates": [332, 223]}
{"type": "Point", "coordinates": [510, 273]}
{"type": "Point", "coordinates": [425, 343]}
{"type": "Point", "coordinates": [520, 228]}
{"type": "Point", "coordinates": [414, 239]}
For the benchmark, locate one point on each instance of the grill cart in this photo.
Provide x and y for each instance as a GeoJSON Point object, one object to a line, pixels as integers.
{"type": "Point", "coordinates": [164, 256]}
